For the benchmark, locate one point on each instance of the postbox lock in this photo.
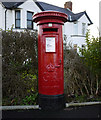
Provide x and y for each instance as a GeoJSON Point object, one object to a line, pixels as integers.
{"type": "Point", "coordinates": [50, 25]}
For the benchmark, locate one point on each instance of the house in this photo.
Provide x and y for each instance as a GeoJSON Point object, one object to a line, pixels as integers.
{"type": "Point", "coordinates": [19, 14]}
{"type": "Point", "coordinates": [75, 29]}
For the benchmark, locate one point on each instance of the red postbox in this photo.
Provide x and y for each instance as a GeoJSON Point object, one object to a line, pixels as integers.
{"type": "Point", "coordinates": [50, 59]}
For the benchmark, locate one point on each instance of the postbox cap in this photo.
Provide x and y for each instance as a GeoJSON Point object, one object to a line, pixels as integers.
{"type": "Point", "coordinates": [50, 16]}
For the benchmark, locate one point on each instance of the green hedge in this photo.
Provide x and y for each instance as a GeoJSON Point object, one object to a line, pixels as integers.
{"type": "Point", "coordinates": [19, 61]}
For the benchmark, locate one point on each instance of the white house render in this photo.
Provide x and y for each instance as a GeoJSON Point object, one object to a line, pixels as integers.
{"type": "Point", "coordinates": [0, 15]}
{"type": "Point", "coordinates": [9, 19]}
{"type": "Point", "coordinates": [83, 19]}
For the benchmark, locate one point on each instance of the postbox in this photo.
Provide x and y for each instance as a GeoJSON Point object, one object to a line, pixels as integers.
{"type": "Point", "coordinates": [50, 59]}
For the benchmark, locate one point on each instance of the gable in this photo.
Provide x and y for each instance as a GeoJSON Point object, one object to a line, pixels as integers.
{"type": "Point", "coordinates": [30, 5]}
{"type": "Point", "coordinates": [84, 19]}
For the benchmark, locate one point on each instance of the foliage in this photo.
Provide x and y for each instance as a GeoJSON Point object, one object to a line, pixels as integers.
{"type": "Point", "coordinates": [76, 76]}
{"type": "Point", "coordinates": [30, 100]}
{"type": "Point", "coordinates": [92, 59]}
{"type": "Point", "coordinates": [19, 60]}
{"type": "Point", "coordinates": [19, 78]}
{"type": "Point", "coordinates": [82, 74]}
{"type": "Point", "coordinates": [92, 55]}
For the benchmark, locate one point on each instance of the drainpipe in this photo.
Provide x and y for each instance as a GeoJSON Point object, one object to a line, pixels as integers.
{"type": "Point", "coordinates": [5, 17]}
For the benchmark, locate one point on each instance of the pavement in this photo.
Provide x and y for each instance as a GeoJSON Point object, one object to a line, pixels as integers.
{"type": "Point", "coordinates": [90, 112]}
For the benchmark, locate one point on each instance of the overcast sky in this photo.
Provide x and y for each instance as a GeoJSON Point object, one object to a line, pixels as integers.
{"type": "Point", "coordinates": [90, 6]}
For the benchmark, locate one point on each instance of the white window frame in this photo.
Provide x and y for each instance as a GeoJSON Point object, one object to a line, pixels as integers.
{"type": "Point", "coordinates": [83, 28]}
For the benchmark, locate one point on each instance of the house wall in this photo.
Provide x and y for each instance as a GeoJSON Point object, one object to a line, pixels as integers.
{"type": "Point", "coordinates": [68, 28]}
{"type": "Point", "coordinates": [0, 15]}
{"type": "Point", "coordinates": [9, 19]}
{"type": "Point", "coordinates": [76, 38]}
{"type": "Point", "coordinates": [83, 19]}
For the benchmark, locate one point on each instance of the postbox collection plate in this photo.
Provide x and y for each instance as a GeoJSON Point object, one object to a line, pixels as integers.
{"type": "Point", "coordinates": [50, 44]}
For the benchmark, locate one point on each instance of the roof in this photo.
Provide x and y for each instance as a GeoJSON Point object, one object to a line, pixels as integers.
{"type": "Point", "coordinates": [46, 7]}
{"type": "Point", "coordinates": [71, 16]}
{"type": "Point", "coordinates": [79, 15]}
{"type": "Point", "coordinates": [12, 5]}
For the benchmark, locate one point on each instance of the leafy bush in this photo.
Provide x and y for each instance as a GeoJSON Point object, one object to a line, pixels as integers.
{"type": "Point", "coordinates": [30, 100]}
{"type": "Point", "coordinates": [76, 76]}
{"type": "Point", "coordinates": [19, 60]}
{"type": "Point", "coordinates": [82, 75]}
{"type": "Point", "coordinates": [92, 59]}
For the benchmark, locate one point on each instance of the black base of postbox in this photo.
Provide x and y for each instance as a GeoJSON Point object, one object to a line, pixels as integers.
{"type": "Point", "coordinates": [51, 102]}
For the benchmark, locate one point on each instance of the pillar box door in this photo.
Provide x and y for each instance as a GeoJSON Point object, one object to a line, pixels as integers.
{"type": "Point", "coordinates": [50, 59]}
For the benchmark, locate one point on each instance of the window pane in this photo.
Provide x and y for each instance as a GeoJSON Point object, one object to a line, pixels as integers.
{"type": "Point", "coordinates": [83, 28]}
{"type": "Point", "coordinates": [17, 14]}
{"type": "Point", "coordinates": [29, 15]}
{"type": "Point", "coordinates": [29, 24]}
{"type": "Point", "coordinates": [18, 23]}
{"type": "Point", "coordinates": [76, 28]}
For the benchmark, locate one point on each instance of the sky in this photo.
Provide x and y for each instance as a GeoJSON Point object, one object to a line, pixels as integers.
{"type": "Point", "coordinates": [90, 6]}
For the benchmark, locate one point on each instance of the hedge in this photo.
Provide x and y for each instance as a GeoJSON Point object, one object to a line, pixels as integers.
{"type": "Point", "coordinates": [19, 71]}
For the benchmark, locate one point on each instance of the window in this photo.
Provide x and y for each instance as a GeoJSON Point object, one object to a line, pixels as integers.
{"type": "Point", "coordinates": [83, 28]}
{"type": "Point", "coordinates": [29, 20]}
{"type": "Point", "coordinates": [75, 28]}
{"type": "Point", "coordinates": [17, 19]}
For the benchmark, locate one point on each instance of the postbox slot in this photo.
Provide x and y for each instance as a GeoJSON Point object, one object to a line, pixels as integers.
{"type": "Point", "coordinates": [50, 29]}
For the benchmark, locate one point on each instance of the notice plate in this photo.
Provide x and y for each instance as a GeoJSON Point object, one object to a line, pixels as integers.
{"type": "Point", "coordinates": [50, 44]}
